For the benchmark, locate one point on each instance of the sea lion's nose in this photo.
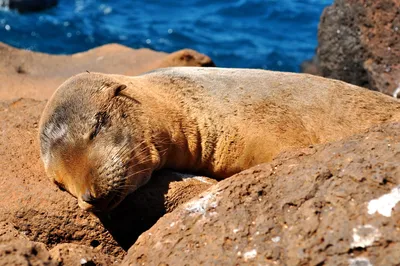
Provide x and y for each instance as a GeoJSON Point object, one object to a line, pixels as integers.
{"type": "Point", "coordinates": [89, 202]}
{"type": "Point", "coordinates": [88, 197]}
{"type": "Point", "coordinates": [85, 206]}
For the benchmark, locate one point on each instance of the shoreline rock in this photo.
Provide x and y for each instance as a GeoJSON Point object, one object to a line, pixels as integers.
{"type": "Point", "coordinates": [359, 42]}
{"type": "Point", "coordinates": [26, 74]}
{"type": "Point", "coordinates": [24, 6]}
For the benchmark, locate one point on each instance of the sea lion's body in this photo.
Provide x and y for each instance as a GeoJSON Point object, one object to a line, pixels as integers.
{"type": "Point", "coordinates": [204, 120]}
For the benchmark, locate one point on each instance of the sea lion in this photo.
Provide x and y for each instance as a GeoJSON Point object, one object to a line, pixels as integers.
{"type": "Point", "coordinates": [102, 136]}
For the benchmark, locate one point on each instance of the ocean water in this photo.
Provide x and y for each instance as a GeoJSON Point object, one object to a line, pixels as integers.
{"type": "Point", "coordinates": [269, 34]}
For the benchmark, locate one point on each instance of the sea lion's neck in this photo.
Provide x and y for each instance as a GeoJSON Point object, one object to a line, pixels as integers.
{"type": "Point", "coordinates": [174, 136]}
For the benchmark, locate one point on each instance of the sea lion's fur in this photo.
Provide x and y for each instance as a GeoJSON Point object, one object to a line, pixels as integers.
{"type": "Point", "coordinates": [103, 135]}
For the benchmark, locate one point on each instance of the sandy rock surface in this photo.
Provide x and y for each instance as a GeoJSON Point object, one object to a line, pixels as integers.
{"type": "Point", "coordinates": [36, 75]}
{"type": "Point", "coordinates": [359, 42]}
{"type": "Point", "coordinates": [333, 204]}
{"type": "Point", "coordinates": [72, 254]}
{"type": "Point", "coordinates": [24, 252]}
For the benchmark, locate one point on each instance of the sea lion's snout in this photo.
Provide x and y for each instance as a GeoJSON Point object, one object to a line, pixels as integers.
{"type": "Point", "coordinates": [88, 202]}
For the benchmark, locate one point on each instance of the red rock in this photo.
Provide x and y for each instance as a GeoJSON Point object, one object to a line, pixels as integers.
{"type": "Point", "coordinates": [24, 252]}
{"type": "Point", "coordinates": [36, 75]}
{"type": "Point", "coordinates": [72, 254]}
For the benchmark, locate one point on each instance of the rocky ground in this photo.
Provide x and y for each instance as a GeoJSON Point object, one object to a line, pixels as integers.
{"type": "Point", "coordinates": [359, 42]}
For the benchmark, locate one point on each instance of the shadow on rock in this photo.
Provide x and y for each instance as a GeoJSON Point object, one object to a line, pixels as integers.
{"type": "Point", "coordinates": [141, 209]}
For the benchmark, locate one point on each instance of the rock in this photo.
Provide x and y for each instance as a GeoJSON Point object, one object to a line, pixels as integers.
{"type": "Point", "coordinates": [29, 74]}
{"type": "Point", "coordinates": [311, 67]}
{"type": "Point", "coordinates": [186, 57]}
{"type": "Point", "coordinates": [9, 233]}
{"type": "Point", "coordinates": [72, 254]}
{"type": "Point", "coordinates": [359, 42]}
{"type": "Point", "coordinates": [24, 252]}
{"type": "Point", "coordinates": [331, 204]}
{"type": "Point", "coordinates": [33, 208]}
{"type": "Point", "coordinates": [28, 5]}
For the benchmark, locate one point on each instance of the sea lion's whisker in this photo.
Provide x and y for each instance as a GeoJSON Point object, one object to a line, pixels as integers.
{"type": "Point", "coordinates": [136, 164]}
{"type": "Point", "coordinates": [137, 172]}
{"type": "Point", "coordinates": [121, 152]}
{"type": "Point", "coordinates": [105, 166]}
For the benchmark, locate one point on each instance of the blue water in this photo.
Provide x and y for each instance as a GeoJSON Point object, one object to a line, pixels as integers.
{"type": "Point", "coordinates": [269, 34]}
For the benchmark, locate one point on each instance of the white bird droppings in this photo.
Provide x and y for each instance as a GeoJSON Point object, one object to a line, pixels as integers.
{"type": "Point", "coordinates": [276, 239]}
{"type": "Point", "coordinates": [250, 255]}
{"type": "Point", "coordinates": [202, 179]}
{"type": "Point", "coordinates": [364, 236]}
{"type": "Point", "coordinates": [385, 203]}
{"type": "Point", "coordinates": [360, 261]}
{"type": "Point", "coordinates": [201, 205]}
{"type": "Point", "coordinates": [187, 177]}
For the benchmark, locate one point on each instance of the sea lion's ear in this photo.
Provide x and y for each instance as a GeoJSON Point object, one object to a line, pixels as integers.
{"type": "Point", "coordinates": [127, 92]}
{"type": "Point", "coordinates": [117, 88]}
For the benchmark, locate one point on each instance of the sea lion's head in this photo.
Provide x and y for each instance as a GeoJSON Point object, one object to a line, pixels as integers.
{"type": "Point", "coordinates": [91, 142]}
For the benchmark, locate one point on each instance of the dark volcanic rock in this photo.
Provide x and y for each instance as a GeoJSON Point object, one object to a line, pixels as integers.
{"type": "Point", "coordinates": [332, 204]}
{"type": "Point", "coordinates": [359, 42]}
{"type": "Point", "coordinates": [28, 5]}
{"type": "Point", "coordinates": [311, 67]}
